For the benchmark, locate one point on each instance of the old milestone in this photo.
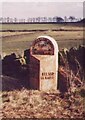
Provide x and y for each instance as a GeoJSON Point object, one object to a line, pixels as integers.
{"type": "Point", "coordinates": [44, 64]}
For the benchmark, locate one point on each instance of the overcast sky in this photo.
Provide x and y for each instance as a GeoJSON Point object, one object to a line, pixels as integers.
{"type": "Point", "coordinates": [48, 9]}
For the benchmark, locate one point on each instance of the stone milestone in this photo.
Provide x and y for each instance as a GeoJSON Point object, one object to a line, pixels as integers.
{"type": "Point", "coordinates": [44, 64]}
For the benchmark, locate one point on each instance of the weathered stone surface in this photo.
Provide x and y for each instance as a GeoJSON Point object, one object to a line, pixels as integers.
{"type": "Point", "coordinates": [44, 63]}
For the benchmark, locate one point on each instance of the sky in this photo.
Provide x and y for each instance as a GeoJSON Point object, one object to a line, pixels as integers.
{"type": "Point", "coordinates": [40, 9]}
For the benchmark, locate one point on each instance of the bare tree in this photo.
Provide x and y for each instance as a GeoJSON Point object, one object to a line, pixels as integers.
{"type": "Point", "coordinates": [15, 20]}
{"type": "Point", "coordinates": [65, 19]}
{"type": "Point", "coordinates": [54, 19]}
{"type": "Point", "coordinates": [59, 19]}
{"type": "Point", "coordinates": [8, 19]}
{"type": "Point", "coordinates": [1, 19]}
{"type": "Point", "coordinates": [50, 19]}
{"type": "Point", "coordinates": [72, 18]}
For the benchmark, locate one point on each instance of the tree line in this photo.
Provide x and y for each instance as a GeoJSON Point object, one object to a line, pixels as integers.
{"type": "Point", "coordinates": [39, 19]}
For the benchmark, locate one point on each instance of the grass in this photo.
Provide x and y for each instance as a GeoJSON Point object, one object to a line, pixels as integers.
{"type": "Point", "coordinates": [19, 41]}
{"type": "Point", "coordinates": [37, 104]}
{"type": "Point", "coordinates": [28, 26]}
{"type": "Point", "coordinates": [39, 26]}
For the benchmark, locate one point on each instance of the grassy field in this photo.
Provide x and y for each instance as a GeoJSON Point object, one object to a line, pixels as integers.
{"type": "Point", "coordinates": [40, 26]}
{"type": "Point", "coordinates": [67, 35]}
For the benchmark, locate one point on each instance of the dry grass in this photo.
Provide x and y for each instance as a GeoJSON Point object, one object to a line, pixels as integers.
{"type": "Point", "coordinates": [37, 104]}
{"type": "Point", "coordinates": [5, 34]}
{"type": "Point", "coordinates": [14, 42]}
{"type": "Point", "coordinates": [40, 26]}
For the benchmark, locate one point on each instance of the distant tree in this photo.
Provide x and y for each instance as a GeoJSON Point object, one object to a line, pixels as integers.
{"type": "Point", "coordinates": [54, 19]}
{"type": "Point", "coordinates": [79, 19]}
{"type": "Point", "coordinates": [59, 19]}
{"type": "Point", "coordinates": [38, 19]}
{"type": "Point", "coordinates": [72, 18]}
{"type": "Point", "coordinates": [45, 19]}
{"type": "Point", "coordinates": [5, 20]}
{"type": "Point", "coordinates": [8, 19]}
{"type": "Point", "coordinates": [29, 20]}
{"type": "Point", "coordinates": [65, 19]}
{"type": "Point", "coordinates": [50, 19]}
{"type": "Point", "coordinates": [33, 19]}
{"type": "Point", "coordinates": [1, 19]}
{"type": "Point", "coordinates": [24, 20]}
{"type": "Point", "coordinates": [11, 20]}
{"type": "Point", "coordinates": [15, 20]}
